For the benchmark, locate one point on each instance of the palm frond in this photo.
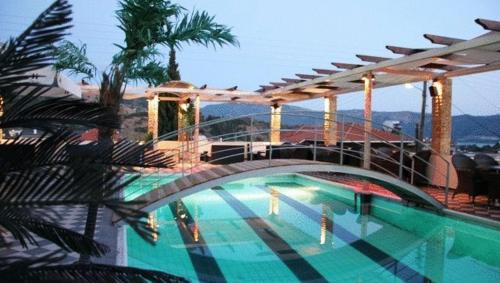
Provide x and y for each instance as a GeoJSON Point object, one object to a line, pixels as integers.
{"type": "Point", "coordinates": [84, 273]}
{"type": "Point", "coordinates": [73, 58]}
{"type": "Point", "coordinates": [30, 111]}
{"type": "Point", "coordinates": [73, 185]}
{"type": "Point", "coordinates": [21, 224]}
{"type": "Point", "coordinates": [200, 28]}
{"type": "Point", "coordinates": [153, 73]}
{"type": "Point", "coordinates": [64, 148]}
{"type": "Point", "coordinates": [33, 48]}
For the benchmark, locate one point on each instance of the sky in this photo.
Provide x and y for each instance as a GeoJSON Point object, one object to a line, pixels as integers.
{"type": "Point", "coordinates": [282, 37]}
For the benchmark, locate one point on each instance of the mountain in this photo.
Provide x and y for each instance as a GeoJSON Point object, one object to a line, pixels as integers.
{"type": "Point", "coordinates": [466, 128]}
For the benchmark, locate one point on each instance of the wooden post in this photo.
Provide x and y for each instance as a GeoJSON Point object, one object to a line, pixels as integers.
{"type": "Point", "coordinates": [330, 120]}
{"type": "Point", "coordinates": [368, 79]}
{"type": "Point", "coordinates": [275, 124]}
{"type": "Point", "coordinates": [441, 116]}
{"type": "Point", "coordinates": [153, 104]}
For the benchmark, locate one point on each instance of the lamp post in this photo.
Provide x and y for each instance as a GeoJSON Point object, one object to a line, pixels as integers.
{"type": "Point", "coordinates": [420, 131]}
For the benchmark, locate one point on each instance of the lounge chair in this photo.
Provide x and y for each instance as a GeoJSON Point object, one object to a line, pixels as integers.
{"type": "Point", "coordinates": [280, 151]}
{"type": "Point", "coordinates": [227, 154]}
{"type": "Point", "coordinates": [491, 180]}
{"type": "Point", "coordinates": [328, 154]}
{"type": "Point", "coordinates": [484, 161]}
{"type": "Point", "coordinates": [469, 181]}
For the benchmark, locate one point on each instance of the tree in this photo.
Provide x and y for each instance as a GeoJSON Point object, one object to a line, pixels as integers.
{"type": "Point", "coordinates": [44, 172]}
{"type": "Point", "coordinates": [165, 23]}
{"type": "Point", "coordinates": [137, 60]}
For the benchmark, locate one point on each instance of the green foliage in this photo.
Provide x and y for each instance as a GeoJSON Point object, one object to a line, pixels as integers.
{"type": "Point", "coordinates": [55, 169]}
{"type": "Point", "coordinates": [148, 137]}
{"type": "Point", "coordinates": [167, 117]}
{"type": "Point", "coordinates": [199, 28]}
{"type": "Point", "coordinates": [74, 59]}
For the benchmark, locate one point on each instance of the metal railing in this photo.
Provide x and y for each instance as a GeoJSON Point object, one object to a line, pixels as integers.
{"type": "Point", "coordinates": [252, 143]}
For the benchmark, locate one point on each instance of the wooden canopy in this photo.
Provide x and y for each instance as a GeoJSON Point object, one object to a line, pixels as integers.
{"type": "Point", "coordinates": [458, 57]}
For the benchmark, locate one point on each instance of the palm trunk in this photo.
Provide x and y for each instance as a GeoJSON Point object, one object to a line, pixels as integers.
{"type": "Point", "coordinates": [110, 96]}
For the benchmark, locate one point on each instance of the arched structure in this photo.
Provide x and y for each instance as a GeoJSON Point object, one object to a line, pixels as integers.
{"type": "Point", "coordinates": [209, 178]}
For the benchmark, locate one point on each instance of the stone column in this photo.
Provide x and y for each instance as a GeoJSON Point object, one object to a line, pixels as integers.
{"type": "Point", "coordinates": [153, 103]}
{"type": "Point", "coordinates": [181, 136]}
{"type": "Point", "coordinates": [196, 132]}
{"type": "Point", "coordinates": [330, 120]}
{"type": "Point", "coordinates": [275, 124]}
{"type": "Point", "coordinates": [441, 116]}
{"type": "Point", "coordinates": [368, 79]}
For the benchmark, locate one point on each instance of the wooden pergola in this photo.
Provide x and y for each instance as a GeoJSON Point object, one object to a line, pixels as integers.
{"type": "Point", "coordinates": [453, 58]}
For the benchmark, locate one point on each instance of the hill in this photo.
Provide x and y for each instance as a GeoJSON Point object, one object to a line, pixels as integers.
{"type": "Point", "coordinates": [466, 128]}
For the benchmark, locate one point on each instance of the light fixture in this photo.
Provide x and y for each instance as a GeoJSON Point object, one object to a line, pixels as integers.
{"type": "Point", "coordinates": [409, 85]}
{"type": "Point", "coordinates": [433, 90]}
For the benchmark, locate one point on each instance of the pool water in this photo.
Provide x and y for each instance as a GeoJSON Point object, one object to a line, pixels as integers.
{"type": "Point", "coordinates": [289, 228]}
{"type": "Point", "coordinates": [146, 183]}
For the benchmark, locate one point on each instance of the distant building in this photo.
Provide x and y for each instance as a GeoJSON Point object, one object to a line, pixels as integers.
{"type": "Point", "coordinates": [392, 126]}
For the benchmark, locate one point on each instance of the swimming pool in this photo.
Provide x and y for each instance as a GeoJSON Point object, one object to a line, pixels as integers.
{"type": "Point", "coordinates": [290, 228]}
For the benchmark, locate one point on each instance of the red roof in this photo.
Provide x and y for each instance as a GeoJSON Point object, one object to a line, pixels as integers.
{"type": "Point", "coordinates": [349, 132]}
{"type": "Point", "coordinates": [93, 134]}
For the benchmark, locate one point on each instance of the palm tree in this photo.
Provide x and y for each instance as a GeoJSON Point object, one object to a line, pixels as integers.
{"type": "Point", "coordinates": [43, 173]}
{"type": "Point", "coordinates": [195, 28]}
{"type": "Point", "coordinates": [163, 22]}
{"type": "Point", "coordinates": [135, 61]}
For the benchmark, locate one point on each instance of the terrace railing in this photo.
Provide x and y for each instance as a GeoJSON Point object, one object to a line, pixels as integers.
{"type": "Point", "coordinates": [250, 134]}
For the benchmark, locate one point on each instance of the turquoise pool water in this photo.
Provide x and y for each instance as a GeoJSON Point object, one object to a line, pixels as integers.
{"type": "Point", "coordinates": [289, 228]}
{"type": "Point", "coordinates": [147, 183]}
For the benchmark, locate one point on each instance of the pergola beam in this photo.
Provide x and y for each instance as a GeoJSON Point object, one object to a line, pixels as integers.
{"type": "Point", "coordinates": [325, 71]}
{"type": "Point", "coordinates": [405, 50]}
{"type": "Point", "coordinates": [482, 42]}
{"type": "Point", "coordinates": [307, 77]}
{"type": "Point", "coordinates": [288, 80]}
{"type": "Point", "coordinates": [371, 59]}
{"type": "Point", "coordinates": [278, 84]}
{"type": "Point", "coordinates": [488, 24]}
{"type": "Point", "coordinates": [346, 65]}
{"type": "Point", "coordinates": [443, 40]}
{"type": "Point", "coordinates": [426, 75]}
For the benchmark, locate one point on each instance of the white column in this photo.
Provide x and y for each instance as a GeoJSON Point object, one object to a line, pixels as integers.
{"type": "Point", "coordinates": [330, 120]}
{"type": "Point", "coordinates": [153, 103]}
{"type": "Point", "coordinates": [441, 116]}
{"type": "Point", "coordinates": [275, 124]}
{"type": "Point", "coordinates": [368, 80]}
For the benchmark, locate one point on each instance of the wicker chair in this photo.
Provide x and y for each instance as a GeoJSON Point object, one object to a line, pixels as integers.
{"type": "Point", "coordinates": [420, 163]}
{"type": "Point", "coordinates": [469, 181]}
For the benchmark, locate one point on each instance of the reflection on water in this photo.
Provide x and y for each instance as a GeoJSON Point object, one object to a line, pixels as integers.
{"type": "Point", "coordinates": [248, 230]}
